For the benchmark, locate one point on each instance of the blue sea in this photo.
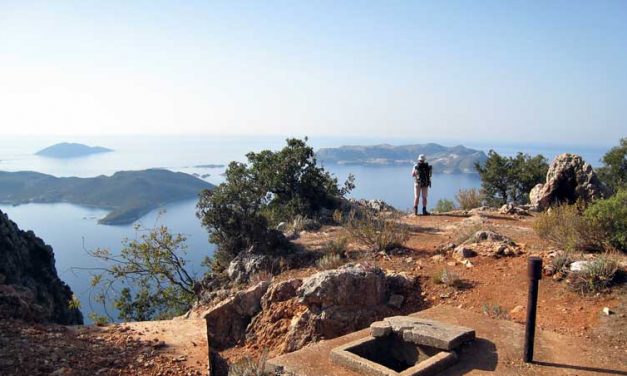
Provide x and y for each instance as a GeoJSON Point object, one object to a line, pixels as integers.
{"type": "Point", "coordinates": [72, 230]}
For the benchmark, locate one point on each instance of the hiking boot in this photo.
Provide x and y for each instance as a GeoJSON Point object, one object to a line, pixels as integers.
{"type": "Point", "coordinates": [415, 210]}
{"type": "Point", "coordinates": [425, 212]}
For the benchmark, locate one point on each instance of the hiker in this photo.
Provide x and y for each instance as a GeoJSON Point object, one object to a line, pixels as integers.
{"type": "Point", "coordinates": [422, 181]}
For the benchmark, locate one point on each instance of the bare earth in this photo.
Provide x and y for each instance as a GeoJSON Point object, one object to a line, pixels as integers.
{"type": "Point", "coordinates": [578, 337]}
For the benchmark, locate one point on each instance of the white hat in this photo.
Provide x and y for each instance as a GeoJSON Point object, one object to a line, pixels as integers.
{"type": "Point", "coordinates": [421, 157]}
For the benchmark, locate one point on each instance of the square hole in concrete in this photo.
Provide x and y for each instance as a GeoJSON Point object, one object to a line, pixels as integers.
{"type": "Point", "coordinates": [391, 356]}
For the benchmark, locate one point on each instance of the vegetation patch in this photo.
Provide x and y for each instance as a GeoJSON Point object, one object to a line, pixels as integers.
{"type": "Point", "coordinates": [596, 276]}
{"type": "Point", "coordinates": [380, 234]}
{"type": "Point", "coordinates": [469, 198]}
{"type": "Point", "coordinates": [448, 278]}
{"type": "Point", "coordinates": [444, 205]}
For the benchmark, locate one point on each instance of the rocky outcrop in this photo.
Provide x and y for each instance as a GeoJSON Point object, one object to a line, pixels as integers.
{"type": "Point", "coordinates": [246, 264]}
{"type": "Point", "coordinates": [30, 288]}
{"type": "Point", "coordinates": [569, 179]}
{"type": "Point", "coordinates": [227, 321]}
{"type": "Point", "coordinates": [344, 300]}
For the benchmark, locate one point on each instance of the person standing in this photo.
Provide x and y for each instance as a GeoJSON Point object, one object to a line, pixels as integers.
{"type": "Point", "coordinates": [422, 182]}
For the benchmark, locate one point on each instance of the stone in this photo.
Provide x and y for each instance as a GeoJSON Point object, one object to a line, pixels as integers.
{"type": "Point", "coordinates": [568, 179]}
{"type": "Point", "coordinates": [345, 300]}
{"type": "Point", "coordinates": [228, 320]}
{"type": "Point", "coordinates": [396, 301]}
{"type": "Point", "coordinates": [425, 332]}
{"type": "Point", "coordinates": [607, 311]}
{"type": "Point", "coordinates": [579, 266]}
{"type": "Point", "coordinates": [380, 329]}
{"type": "Point", "coordinates": [467, 263]}
{"type": "Point", "coordinates": [246, 264]}
{"type": "Point", "coordinates": [512, 209]}
{"type": "Point", "coordinates": [280, 292]}
{"type": "Point", "coordinates": [463, 252]}
{"type": "Point", "coordinates": [438, 258]}
{"type": "Point", "coordinates": [516, 309]}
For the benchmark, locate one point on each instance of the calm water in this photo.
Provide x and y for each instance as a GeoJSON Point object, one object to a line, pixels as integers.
{"type": "Point", "coordinates": [71, 229]}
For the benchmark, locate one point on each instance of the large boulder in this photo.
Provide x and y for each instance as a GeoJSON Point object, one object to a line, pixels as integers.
{"type": "Point", "coordinates": [30, 288]}
{"type": "Point", "coordinates": [569, 179]}
{"type": "Point", "coordinates": [345, 300]}
{"type": "Point", "coordinates": [227, 321]}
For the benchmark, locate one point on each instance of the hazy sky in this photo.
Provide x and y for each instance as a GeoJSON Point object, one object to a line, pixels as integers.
{"type": "Point", "coordinates": [512, 71]}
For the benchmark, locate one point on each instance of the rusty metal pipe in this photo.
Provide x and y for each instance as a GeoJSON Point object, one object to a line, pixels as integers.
{"type": "Point", "coordinates": [535, 274]}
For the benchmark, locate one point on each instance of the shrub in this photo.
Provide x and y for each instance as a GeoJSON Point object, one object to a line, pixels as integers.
{"type": "Point", "coordinates": [271, 187]}
{"type": "Point", "coordinates": [561, 262]}
{"type": "Point", "coordinates": [614, 170]}
{"type": "Point", "coordinates": [596, 276]}
{"type": "Point", "coordinates": [565, 226]}
{"type": "Point", "coordinates": [444, 206]}
{"type": "Point", "coordinates": [250, 367]}
{"type": "Point", "coordinates": [506, 179]}
{"type": "Point", "coordinates": [337, 246]}
{"type": "Point", "coordinates": [381, 234]}
{"type": "Point", "coordinates": [330, 261]}
{"type": "Point", "coordinates": [301, 223]}
{"type": "Point", "coordinates": [495, 311]}
{"type": "Point", "coordinates": [469, 198]}
{"type": "Point", "coordinates": [448, 278]}
{"type": "Point", "coordinates": [609, 216]}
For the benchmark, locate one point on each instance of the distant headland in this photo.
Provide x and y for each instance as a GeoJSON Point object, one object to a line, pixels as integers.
{"type": "Point", "coordinates": [455, 159]}
{"type": "Point", "coordinates": [127, 194]}
{"type": "Point", "coordinates": [71, 150]}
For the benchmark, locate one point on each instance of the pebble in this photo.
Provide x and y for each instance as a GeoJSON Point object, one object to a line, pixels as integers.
{"type": "Point", "coordinates": [607, 311]}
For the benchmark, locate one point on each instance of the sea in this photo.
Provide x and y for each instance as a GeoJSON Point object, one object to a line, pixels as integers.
{"type": "Point", "coordinates": [73, 230]}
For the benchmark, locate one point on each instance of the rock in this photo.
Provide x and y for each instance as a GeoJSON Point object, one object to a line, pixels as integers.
{"type": "Point", "coordinates": [280, 292]}
{"type": "Point", "coordinates": [510, 208]}
{"type": "Point", "coordinates": [409, 260]}
{"type": "Point", "coordinates": [380, 329]}
{"type": "Point", "coordinates": [227, 321]}
{"type": "Point", "coordinates": [30, 289]}
{"type": "Point", "coordinates": [345, 300]}
{"type": "Point", "coordinates": [607, 311]}
{"type": "Point", "coordinates": [438, 258]}
{"type": "Point", "coordinates": [516, 309]}
{"type": "Point", "coordinates": [569, 179]}
{"type": "Point", "coordinates": [246, 264]}
{"type": "Point", "coordinates": [467, 263]}
{"type": "Point", "coordinates": [396, 301]}
{"type": "Point", "coordinates": [424, 332]}
{"type": "Point", "coordinates": [463, 252]}
{"type": "Point", "coordinates": [446, 247]}
{"type": "Point", "coordinates": [579, 266]}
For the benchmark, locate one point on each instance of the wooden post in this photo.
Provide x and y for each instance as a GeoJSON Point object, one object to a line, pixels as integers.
{"type": "Point", "coordinates": [535, 274]}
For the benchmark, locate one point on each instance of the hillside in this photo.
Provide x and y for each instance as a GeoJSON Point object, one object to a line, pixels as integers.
{"type": "Point", "coordinates": [128, 194]}
{"type": "Point", "coordinates": [71, 150]}
{"type": "Point", "coordinates": [456, 159]}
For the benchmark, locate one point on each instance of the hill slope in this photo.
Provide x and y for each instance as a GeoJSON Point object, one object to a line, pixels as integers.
{"type": "Point", "coordinates": [71, 150]}
{"type": "Point", "coordinates": [456, 159]}
{"type": "Point", "coordinates": [128, 194]}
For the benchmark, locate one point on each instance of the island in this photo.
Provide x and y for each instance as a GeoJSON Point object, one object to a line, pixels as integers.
{"type": "Point", "coordinates": [71, 150]}
{"type": "Point", "coordinates": [128, 195]}
{"type": "Point", "coordinates": [450, 160]}
{"type": "Point", "coordinates": [209, 166]}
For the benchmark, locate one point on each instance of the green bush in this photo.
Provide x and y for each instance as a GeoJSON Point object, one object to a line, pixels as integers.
{"type": "Point", "coordinates": [273, 187]}
{"type": "Point", "coordinates": [444, 206]}
{"type": "Point", "coordinates": [510, 179]}
{"type": "Point", "coordinates": [610, 217]}
{"type": "Point", "coordinates": [469, 198]}
{"type": "Point", "coordinates": [614, 170]}
{"type": "Point", "coordinates": [565, 226]}
{"type": "Point", "coordinates": [381, 234]}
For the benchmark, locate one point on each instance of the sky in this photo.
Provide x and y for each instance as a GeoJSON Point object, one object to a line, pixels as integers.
{"type": "Point", "coordinates": [468, 71]}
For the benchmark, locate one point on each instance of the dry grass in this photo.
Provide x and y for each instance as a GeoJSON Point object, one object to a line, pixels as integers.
{"type": "Point", "coordinates": [330, 261]}
{"type": "Point", "coordinates": [381, 234]}
{"type": "Point", "coordinates": [596, 277]}
{"type": "Point", "coordinates": [469, 198]}
{"type": "Point", "coordinates": [566, 227]}
{"type": "Point", "coordinates": [448, 278]}
{"type": "Point", "coordinates": [495, 311]}
{"type": "Point", "coordinates": [250, 367]}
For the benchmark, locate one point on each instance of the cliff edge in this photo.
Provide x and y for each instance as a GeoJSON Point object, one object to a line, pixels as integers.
{"type": "Point", "coordinates": [30, 288]}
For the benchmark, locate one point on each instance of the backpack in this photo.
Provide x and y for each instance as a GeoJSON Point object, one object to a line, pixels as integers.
{"type": "Point", "coordinates": [423, 175]}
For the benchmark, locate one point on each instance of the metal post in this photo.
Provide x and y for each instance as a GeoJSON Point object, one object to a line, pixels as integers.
{"type": "Point", "coordinates": [535, 274]}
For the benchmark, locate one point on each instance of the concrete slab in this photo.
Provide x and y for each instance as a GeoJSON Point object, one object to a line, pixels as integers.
{"type": "Point", "coordinates": [496, 350]}
{"type": "Point", "coordinates": [426, 332]}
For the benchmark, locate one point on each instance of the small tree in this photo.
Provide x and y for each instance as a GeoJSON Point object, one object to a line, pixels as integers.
{"type": "Point", "coordinates": [614, 170]}
{"type": "Point", "coordinates": [272, 187]}
{"type": "Point", "coordinates": [505, 179]}
{"type": "Point", "coordinates": [148, 279]}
